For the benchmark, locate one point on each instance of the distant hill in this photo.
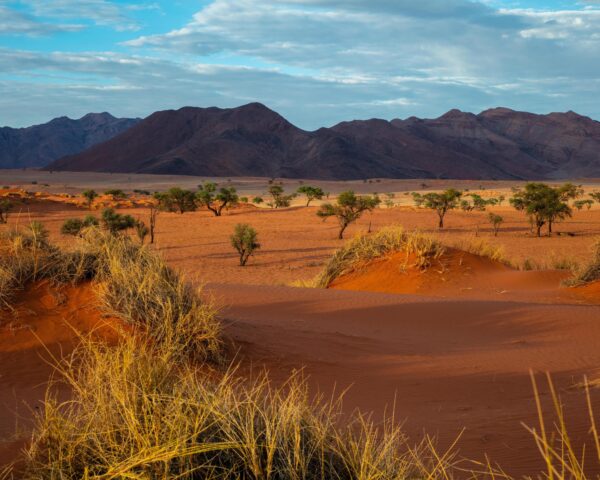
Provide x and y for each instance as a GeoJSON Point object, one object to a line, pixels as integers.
{"type": "Point", "coordinates": [253, 140]}
{"type": "Point", "coordinates": [40, 145]}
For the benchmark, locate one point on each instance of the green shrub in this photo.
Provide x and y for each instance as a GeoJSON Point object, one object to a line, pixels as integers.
{"type": "Point", "coordinates": [244, 240]}
{"type": "Point", "coordinates": [74, 226]}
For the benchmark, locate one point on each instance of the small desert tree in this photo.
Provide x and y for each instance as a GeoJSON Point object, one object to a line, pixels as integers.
{"type": "Point", "coordinates": [312, 193]}
{"type": "Point", "coordinates": [495, 220]}
{"type": "Point", "coordinates": [257, 200]}
{"type": "Point", "coordinates": [442, 202]}
{"type": "Point", "coordinates": [542, 204]}
{"type": "Point", "coordinates": [280, 199]}
{"type": "Point", "coordinates": [244, 240]}
{"type": "Point", "coordinates": [5, 208]}
{"type": "Point", "coordinates": [75, 226]}
{"type": "Point", "coordinates": [215, 201]}
{"type": "Point", "coordinates": [348, 209]}
{"type": "Point", "coordinates": [141, 230]}
{"type": "Point", "coordinates": [115, 222]}
{"type": "Point", "coordinates": [90, 196]}
{"type": "Point", "coordinates": [176, 199]}
{"type": "Point", "coordinates": [595, 196]}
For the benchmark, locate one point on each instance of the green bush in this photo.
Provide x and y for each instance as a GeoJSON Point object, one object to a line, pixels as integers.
{"type": "Point", "coordinates": [244, 240]}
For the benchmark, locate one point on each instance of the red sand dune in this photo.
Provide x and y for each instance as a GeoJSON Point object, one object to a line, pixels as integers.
{"type": "Point", "coordinates": [43, 326]}
{"type": "Point", "coordinates": [456, 274]}
{"type": "Point", "coordinates": [448, 364]}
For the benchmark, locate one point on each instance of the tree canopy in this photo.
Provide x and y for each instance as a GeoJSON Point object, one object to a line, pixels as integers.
{"type": "Point", "coordinates": [348, 209]}
{"type": "Point", "coordinates": [216, 200]}
{"type": "Point", "coordinates": [440, 202]}
{"type": "Point", "coordinates": [312, 193]}
{"type": "Point", "coordinates": [543, 204]}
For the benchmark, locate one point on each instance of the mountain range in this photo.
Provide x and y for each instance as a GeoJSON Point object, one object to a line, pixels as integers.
{"type": "Point", "coordinates": [39, 145]}
{"type": "Point", "coordinates": [253, 140]}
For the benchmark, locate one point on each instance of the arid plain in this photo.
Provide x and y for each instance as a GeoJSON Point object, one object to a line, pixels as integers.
{"type": "Point", "coordinates": [449, 351]}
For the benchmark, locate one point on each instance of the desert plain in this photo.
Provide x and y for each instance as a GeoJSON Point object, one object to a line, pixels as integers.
{"type": "Point", "coordinates": [449, 352]}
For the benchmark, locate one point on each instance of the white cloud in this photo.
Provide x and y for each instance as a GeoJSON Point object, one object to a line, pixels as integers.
{"type": "Point", "coordinates": [99, 12]}
{"type": "Point", "coordinates": [322, 61]}
{"type": "Point", "coordinates": [17, 23]}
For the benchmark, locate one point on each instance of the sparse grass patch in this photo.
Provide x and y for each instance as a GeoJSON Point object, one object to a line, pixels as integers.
{"type": "Point", "coordinates": [482, 248]}
{"type": "Point", "coordinates": [365, 248]}
{"type": "Point", "coordinates": [27, 256]}
{"type": "Point", "coordinates": [589, 272]}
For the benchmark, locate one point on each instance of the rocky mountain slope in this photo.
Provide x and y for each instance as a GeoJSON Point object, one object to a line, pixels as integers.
{"type": "Point", "coordinates": [39, 145]}
{"type": "Point", "coordinates": [253, 140]}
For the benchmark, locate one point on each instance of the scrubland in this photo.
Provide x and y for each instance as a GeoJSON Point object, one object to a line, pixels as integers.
{"type": "Point", "coordinates": [171, 361]}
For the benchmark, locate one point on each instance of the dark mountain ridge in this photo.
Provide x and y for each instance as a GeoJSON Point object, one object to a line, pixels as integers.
{"type": "Point", "coordinates": [253, 140]}
{"type": "Point", "coordinates": [39, 145]}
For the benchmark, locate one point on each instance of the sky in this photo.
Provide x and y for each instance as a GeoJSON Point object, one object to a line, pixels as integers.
{"type": "Point", "coordinates": [316, 62]}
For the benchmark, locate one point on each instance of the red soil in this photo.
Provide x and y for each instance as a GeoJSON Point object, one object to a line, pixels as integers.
{"type": "Point", "coordinates": [447, 364]}
{"type": "Point", "coordinates": [42, 328]}
{"type": "Point", "coordinates": [456, 274]}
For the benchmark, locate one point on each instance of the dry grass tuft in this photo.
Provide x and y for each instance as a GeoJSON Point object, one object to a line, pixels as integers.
{"type": "Point", "coordinates": [365, 248]}
{"type": "Point", "coordinates": [482, 248]}
{"type": "Point", "coordinates": [137, 414]}
{"type": "Point", "coordinates": [27, 256]}
{"type": "Point", "coordinates": [590, 272]}
{"type": "Point", "coordinates": [136, 285]}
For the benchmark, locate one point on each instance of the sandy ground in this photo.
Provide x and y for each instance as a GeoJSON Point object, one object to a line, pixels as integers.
{"type": "Point", "coordinates": [451, 355]}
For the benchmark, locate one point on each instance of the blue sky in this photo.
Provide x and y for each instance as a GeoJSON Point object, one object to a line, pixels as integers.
{"type": "Point", "coordinates": [317, 62]}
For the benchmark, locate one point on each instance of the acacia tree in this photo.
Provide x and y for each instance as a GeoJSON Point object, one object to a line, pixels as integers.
{"type": "Point", "coordinates": [542, 204]}
{"type": "Point", "coordinates": [595, 196]}
{"type": "Point", "coordinates": [348, 209]}
{"type": "Point", "coordinates": [280, 199]}
{"type": "Point", "coordinates": [496, 220]}
{"type": "Point", "coordinates": [442, 203]}
{"type": "Point", "coordinates": [244, 240]}
{"type": "Point", "coordinates": [90, 196]}
{"type": "Point", "coordinates": [5, 207]}
{"type": "Point", "coordinates": [176, 200]}
{"type": "Point", "coordinates": [215, 201]}
{"type": "Point", "coordinates": [312, 193]}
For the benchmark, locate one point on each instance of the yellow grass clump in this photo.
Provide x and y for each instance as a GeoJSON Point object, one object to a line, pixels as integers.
{"type": "Point", "coordinates": [137, 414]}
{"type": "Point", "coordinates": [366, 248]}
{"type": "Point", "coordinates": [588, 273]}
{"type": "Point", "coordinates": [27, 256]}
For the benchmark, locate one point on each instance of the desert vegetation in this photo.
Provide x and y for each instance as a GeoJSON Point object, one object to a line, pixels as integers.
{"type": "Point", "coordinates": [5, 208]}
{"type": "Point", "coordinates": [442, 203]}
{"type": "Point", "coordinates": [348, 209]}
{"type": "Point", "coordinates": [365, 248]}
{"type": "Point", "coordinates": [245, 241]}
{"type": "Point", "coordinates": [311, 193]}
{"type": "Point", "coordinates": [215, 201]}
{"type": "Point", "coordinates": [279, 199]}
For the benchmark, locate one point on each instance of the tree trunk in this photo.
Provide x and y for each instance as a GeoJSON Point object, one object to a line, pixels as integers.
{"type": "Point", "coordinates": [441, 222]}
{"type": "Point", "coordinates": [343, 227]}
